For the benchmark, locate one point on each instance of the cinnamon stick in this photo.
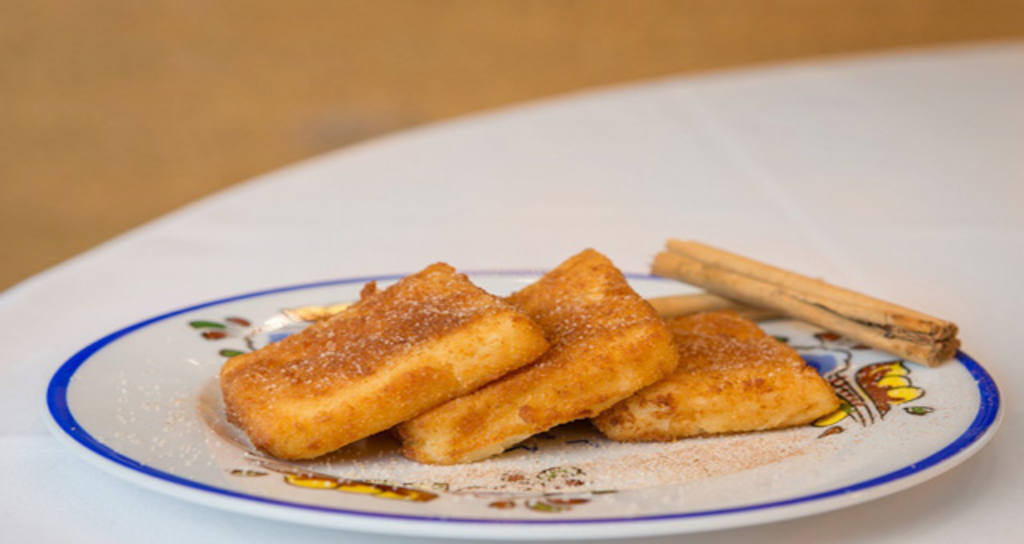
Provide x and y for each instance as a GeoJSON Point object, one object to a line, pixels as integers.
{"type": "Point", "coordinates": [679, 305]}
{"type": "Point", "coordinates": [883, 325]}
{"type": "Point", "coordinates": [852, 304]}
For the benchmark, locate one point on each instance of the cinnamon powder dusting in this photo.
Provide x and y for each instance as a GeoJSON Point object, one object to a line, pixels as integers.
{"type": "Point", "coordinates": [583, 297]}
{"type": "Point", "coordinates": [363, 338]}
{"type": "Point", "coordinates": [597, 463]}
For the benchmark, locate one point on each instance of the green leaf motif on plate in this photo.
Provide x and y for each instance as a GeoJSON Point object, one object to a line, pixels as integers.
{"type": "Point", "coordinates": [206, 325]}
{"type": "Point", "coordinates": [230, 352]}
{"type": "Point", "coordinates": [919, 410]}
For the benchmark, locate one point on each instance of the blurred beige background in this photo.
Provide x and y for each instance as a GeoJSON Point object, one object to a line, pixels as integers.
{"type": "Point", "coordinates": [116, 112]}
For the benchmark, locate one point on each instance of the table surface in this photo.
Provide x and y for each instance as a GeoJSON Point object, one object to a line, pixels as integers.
{"type": "Point", "coordinates": [898, 175]}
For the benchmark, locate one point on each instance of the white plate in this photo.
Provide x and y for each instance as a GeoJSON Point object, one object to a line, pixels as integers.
{"type": "Point", "coordinates": [143, 404]}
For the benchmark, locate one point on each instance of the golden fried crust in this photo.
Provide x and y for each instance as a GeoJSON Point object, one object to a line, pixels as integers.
{"type": "Point", "coordinates": [607, 343]}
{"type": "Point", "coordinates": [732, 377]}
{"type": "Point", "coordinates": [389, 357]}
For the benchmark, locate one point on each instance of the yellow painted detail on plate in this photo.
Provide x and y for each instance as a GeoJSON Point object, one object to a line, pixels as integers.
{"type": "Point", "coordinates": [833, 418]}
{"type": "Point", "coordinates": [894, 381]}
{"type": "Point", "coordinates": [899, 395]}
{"type": "Point", "coordinates": [895, 369]}
{"type": "Point", "coordinates": [311, 483]}
{"type": "Point", "coordinates": [360, 488]}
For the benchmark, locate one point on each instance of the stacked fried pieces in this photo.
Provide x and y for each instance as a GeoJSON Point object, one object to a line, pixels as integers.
{"type": "Point", "coordinates": [393, 355]}
{"type": "Point", "coordinates": [606, 343]}
{"type": "Point", "coordinates": [732, 377]}
{"type": "Point", "coordinates": [463, 375]}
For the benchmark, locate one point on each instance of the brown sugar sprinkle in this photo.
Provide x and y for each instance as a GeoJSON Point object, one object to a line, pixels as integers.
{"type": "Point", "coordinates": [722, 324]}
{"type": "Point", "coordinates": [571, 303]}
{"type": "Point", "coordinates": [709, 353]}
{"type": "Point", "coordinates": [359, 340]}
{"type": "Point", "coordinates": [718, 341]}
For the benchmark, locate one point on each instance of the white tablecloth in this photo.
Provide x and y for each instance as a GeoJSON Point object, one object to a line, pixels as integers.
{"type": "Point", "coordinates": [900, 175]}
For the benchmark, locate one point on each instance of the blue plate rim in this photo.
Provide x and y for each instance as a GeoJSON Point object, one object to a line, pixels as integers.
{"type": "Point", "coordinates": [60, 413]}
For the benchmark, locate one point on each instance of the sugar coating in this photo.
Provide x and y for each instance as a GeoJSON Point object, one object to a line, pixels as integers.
{"type": "Point", "coordinates": [607, 342]}
{"type": "Point", "coordinates": [390, 356]}
{"type": "Point", "coordinates": [732, 377]}
{"type": "Point", "coordinates": [363, 338]}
